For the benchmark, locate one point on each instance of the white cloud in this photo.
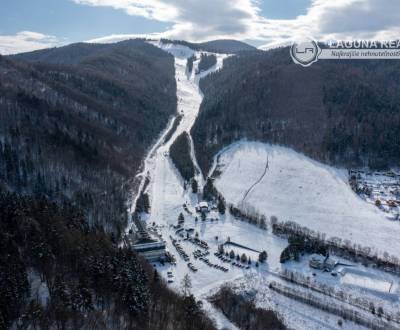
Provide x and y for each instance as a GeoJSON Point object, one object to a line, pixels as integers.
{"type": "Point", "coordinates": [241, 19]}
{"type": "Point", "coordinates": [152, 9]}
{"type": "Point", "coordinates": [25, 41]}
{"type": "Point", "coordinates": [339, 19]}
{"type": "Point", "coordinates": [200, 20]}
{"type": "Point", "coordinates": [191, 19]}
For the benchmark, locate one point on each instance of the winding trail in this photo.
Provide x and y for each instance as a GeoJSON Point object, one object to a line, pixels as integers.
{"type": "Point", "coordinates": [157, 166]}
{"type": "Point", "coordinates": [248, 191]}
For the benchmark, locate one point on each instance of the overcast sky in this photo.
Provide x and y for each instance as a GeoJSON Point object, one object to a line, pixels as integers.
{"type": "Point", "coordinates": [33, 24]}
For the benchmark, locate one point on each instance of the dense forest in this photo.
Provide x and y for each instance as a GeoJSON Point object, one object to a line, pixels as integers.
{"type": "Point", "coordinates": [56, 272]}
{"type": "Point", "coordinates": [339, 112]}
{"type": "Point", "coordinates": [207, 61]}
{"type": "Point", "coordinates": [189, 63]}
{"type": "Point", "coordinates": [76, 121]}
{"type": "Point", "coordinates": [180, 155]}
{"type": "Point", "coordinates": [237, 308]}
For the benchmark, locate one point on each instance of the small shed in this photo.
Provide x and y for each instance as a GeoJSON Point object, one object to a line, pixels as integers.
{"type": "Point", "coordinates": [202, 207]}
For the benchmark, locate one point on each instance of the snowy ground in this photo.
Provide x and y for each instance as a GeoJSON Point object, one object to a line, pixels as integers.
{"type": "Point", "coordinates": [367, 281]}
{"type": "Point", "coordinates": [296, 188]}
{"type": "Point", "coordinates": [297, 315]}
{"type": "Point", "coordinates": [242, 167]}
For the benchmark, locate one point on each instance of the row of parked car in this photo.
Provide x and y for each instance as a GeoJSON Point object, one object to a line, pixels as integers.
{"type": "Point", "coordinates": [198, 253]}
{"type": "Point", "coordinates": [208, 263]}
{"type": "Point", "coordinates": [192, 267]}
{"type": "Point", "coordinates": [170, 277]}
{"type": "Point", "coordinates": [221, 257]}
{"type": "Point", "coordinates": [198, 242]}
{"type": "Point", "coordinates": [180, 250]}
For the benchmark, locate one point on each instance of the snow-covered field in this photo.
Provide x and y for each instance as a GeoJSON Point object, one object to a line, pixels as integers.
{"type": "Point", "coordinates": [367, 281]}
{"type": "Point", "coordinates": [296, 188]}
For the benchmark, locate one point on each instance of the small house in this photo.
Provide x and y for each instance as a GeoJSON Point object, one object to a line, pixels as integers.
{"type": "Point", "coordinates": [318, 261]}
{"type": "Point", "coordinates": [202, 207]}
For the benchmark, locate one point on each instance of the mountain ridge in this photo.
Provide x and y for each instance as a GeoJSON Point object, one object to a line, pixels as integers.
{"type": "Point", "coordinates": [225, 46]}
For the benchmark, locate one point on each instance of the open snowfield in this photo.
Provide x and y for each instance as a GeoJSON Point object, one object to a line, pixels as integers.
{"type": "Point", "coordinates": [367, 281]}
{"type": "Point", "coordinates": [296, 188]}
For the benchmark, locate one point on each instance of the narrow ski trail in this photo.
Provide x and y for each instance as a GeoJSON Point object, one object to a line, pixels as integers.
{"type": "Point", "coordinates": [166, 188]}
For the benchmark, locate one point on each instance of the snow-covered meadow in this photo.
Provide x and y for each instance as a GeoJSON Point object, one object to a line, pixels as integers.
{"type": "Point", "coordinates": [297, 188]}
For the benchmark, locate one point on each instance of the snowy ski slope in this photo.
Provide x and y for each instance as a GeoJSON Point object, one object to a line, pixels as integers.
{"type": "Point", "coordinates": [297, 188]}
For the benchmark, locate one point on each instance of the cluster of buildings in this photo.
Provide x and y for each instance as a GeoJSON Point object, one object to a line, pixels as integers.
{"type": "Point", "coordinates": [147, 243]}
{"type": "Point", "coordinates": [381, 188]}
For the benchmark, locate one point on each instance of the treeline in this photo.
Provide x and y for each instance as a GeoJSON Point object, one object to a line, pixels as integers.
{"type": "Point", "coordinates": [189, 63]}
{"type": "Point", "coordinates": [215, 46]}
{"type": "Point", "coordinates": [345, 113]}
{"type": "Point", "coordinates": [143, 200]}
{"type": "Point", "coordinates": [207, 61]}
{"type": "Point", "coordinates": [248, 213]}
{"type": "Point", "coordinates": [180, 155]}
{"type": "Point", "coordinates": [243, 313]}
{"type": "Point", "coordinates": [76, 121]}
{"type": "Point", "coordinates": [299, 244]}
{"type": "Point", "coordinates": [89, 282]}
{"type": "Point", "coordinates": [305, 238]}
{"type": "Point", "coordinates": [171, 132]}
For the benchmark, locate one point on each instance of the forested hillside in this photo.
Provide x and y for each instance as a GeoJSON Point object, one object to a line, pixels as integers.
{"type": "Point", "coordinates": [340, 112]}
{"type": "Point", "coordinates": [206, 62]}
{"type": "Point", "coordinates": [180, 155]}
{"type": "Point", "coordinates": [58, 273]}
{"type": "Point", "coordinates": [76, 121]}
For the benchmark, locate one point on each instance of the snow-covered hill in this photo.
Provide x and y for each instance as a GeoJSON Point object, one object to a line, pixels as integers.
{"type": "Point", "coordinates": [296, 188]}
